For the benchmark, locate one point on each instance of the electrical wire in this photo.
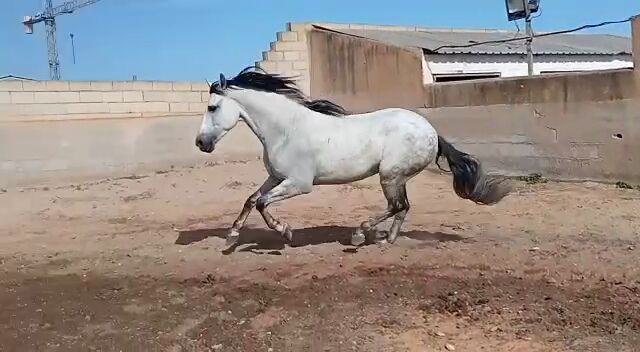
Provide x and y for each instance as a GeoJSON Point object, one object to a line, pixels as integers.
{"type": "Point", "coordinates": [587, 26]}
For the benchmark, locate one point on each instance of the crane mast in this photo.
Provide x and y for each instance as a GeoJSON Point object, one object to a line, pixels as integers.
{"type": "Point", "coordinates": [48, 16]}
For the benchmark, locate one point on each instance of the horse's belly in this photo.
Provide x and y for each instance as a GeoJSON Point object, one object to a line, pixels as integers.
{"type": "Point", "coordinates": [345, 170]}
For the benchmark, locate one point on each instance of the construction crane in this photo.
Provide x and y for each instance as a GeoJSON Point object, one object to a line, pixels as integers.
{"type": "Point", "coordinates": [48, 16]}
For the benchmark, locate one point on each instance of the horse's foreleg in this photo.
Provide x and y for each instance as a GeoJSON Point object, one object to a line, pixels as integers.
{"type": "Point", "coordinates": [234, 234]}
{"type": "Point", "coordinates": [285, 190]}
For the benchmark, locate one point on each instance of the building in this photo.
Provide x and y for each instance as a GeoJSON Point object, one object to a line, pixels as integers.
{"type": "Point", "coordinates": [444, 55]}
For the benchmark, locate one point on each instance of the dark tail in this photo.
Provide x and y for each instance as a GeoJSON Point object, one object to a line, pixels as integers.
{"type": "Point", "coordinates": [469, 180]}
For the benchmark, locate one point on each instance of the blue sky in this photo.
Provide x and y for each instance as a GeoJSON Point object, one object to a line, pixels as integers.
{"type": "Point", "coordinates": [194, 39]}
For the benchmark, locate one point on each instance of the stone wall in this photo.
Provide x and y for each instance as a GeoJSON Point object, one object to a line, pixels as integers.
{"type": "Point", "coordinates": [289, 55]}
{"type": "Point", "coordinates": [51, 100]}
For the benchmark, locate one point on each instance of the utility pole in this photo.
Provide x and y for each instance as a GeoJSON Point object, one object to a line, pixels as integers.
{"type": "Point", "coordinates": [527, 19]}
{"type": "Point", "coordinates": [48, 16]}
{"type": "Point", "coordinates": [73, 48]}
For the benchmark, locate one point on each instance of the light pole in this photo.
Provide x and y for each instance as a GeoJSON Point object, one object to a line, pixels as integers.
{"type": "Point", "coordinates": [73, 48]}
{"type": "Point", "coordinates": [519, 9]}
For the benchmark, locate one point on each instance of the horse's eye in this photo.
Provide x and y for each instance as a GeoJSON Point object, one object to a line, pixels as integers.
{"type": "Point", "coordinates": [212, 108]}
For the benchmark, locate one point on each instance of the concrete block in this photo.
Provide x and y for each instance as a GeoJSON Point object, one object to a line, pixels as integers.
{"type": "Point", "coordinates": [5, 97]}
{"type": "Point", "coordinates": [132, 96]}
{"type": "Point", "coordinates": [186, 97]}
{"type": "Point", "coordinates": [197, 107]}
{"type": "Point", "coordinates": [268, 66]}
{"type": "Point", "coordinates": [272, 55]}
{"type": "Point", "coordinates": [334, 25]}
{"type": "Point", "coordinates": [138, 107]}
{"type": "Point", "coordinates": [199, 86]}
{"type": "Point", "coordinates": [80, 85]}
{"type": "Point", "coordinates": [289, 46]}
{"type": "Point", "coordinates": [205, 97]}
{"type": "Point", "coordinates": [291, 55]}
{"type": "Point", "coordinates": [162, 85]}
{"type": "Point", "coordinates": [8, 86]}
{"type": "Point", "coordinates": [90, 97]}
{"type": "Point", "coordinates": [302, 36]}
{"type": "Point", "coordinates": [298, 27]}
{"type": "Point", "coordinates": [102, 85]}
{"type": "Point", "coordinates": [112, 97]}
{"type": "Point", "coordinates": [34, 86]}
{"type": "Point", "coordinates": [88, 108]}
{"type": "Point", "coordinates": [57, 97]}
{"type": "Point", "coordinates": [157, 95]}
{"type": "Point", "coordinates": [283, 66]}
{"type": "Point", "coordinates": [57, 86]}
{"type": "Point", "coordinates": [300, 65]}
{"type": "Point", "coordinates": [42, 109]}
{"type": "Point", "coordinates": [181, 86]}
{"type": "Point", "coordinates": [132, 85]}
{"type": "Point", "coordinates": [22, 97]}
{"type": "Point", "coordinates": [287, 36]}
{"type": "Point", "coordinates": [178, 107]}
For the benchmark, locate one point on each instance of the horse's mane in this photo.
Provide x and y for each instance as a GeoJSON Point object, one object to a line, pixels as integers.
{"type": "Point", "coordinates": [273, 83]}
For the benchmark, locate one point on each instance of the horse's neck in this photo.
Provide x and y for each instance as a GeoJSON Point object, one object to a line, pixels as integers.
{"type": "Point", "coordinates": [269, 116]}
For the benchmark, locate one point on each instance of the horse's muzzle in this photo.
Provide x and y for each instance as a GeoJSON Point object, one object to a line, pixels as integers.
{"type": "Point", "coordinates": [204, 146]}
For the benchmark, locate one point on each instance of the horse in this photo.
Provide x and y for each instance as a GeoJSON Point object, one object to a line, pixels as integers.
{"type": "Point", "coordinates": [316, 142]}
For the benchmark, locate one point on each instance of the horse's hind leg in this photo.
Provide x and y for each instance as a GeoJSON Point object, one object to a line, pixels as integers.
{"type": "Point", "coordinates": [394, 192]}
{"type": "Point", "coordinates": [234, 234]}
{"type": "Point", "coordinates": [400, 216]}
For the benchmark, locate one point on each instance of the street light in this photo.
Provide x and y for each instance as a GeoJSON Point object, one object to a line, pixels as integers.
{"type": "Point", "coordinates": [516, 9]}
{"type": "Point", "coordinates": [519, 9]}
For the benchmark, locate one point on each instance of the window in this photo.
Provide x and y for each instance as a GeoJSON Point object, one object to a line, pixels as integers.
{"type": "Point", "coordinates": [464, 76]}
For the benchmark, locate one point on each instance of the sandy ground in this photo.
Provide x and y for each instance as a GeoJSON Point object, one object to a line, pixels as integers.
{"type": "Point", "coordinates": [135, 264]}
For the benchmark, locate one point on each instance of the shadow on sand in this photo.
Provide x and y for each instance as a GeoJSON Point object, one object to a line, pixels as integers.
{"type": "Point", "coordinates": [259, 239]}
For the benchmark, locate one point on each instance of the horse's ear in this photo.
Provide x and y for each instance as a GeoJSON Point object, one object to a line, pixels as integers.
{"type": "Point", "coordinates": [208, 83]}
{"type": "Point", "coordinates": [223, 82]}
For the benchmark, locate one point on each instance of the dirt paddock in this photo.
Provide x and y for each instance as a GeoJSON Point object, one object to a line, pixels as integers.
{"type": "Point", "coordinates": [135, 264]}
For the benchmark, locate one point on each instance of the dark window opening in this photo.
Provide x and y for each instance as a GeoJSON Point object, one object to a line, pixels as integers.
{"type": "Point", "coordinates": [464, 77]}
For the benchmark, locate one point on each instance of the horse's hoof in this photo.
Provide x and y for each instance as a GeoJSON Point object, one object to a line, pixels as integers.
{"type": "Point", "coordinates": [381, 241]}
{"type": "Point", "coordinates": [232, 239]}
{"type": "Point", "coordinates": [358, 239]}
{"type": "Point", "coordinates": [287, 233]}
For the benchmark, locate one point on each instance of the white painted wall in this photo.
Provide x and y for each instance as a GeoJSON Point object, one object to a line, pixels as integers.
{"type": "Point", "coordinates": [516, 65]}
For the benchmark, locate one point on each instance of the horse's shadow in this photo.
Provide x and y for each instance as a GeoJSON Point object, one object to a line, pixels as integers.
{"type": "Point", "coordinates": [259, 239]}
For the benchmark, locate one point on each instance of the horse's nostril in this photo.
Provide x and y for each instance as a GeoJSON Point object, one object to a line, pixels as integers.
{"type": "Point", "coordinates": [198, 142]}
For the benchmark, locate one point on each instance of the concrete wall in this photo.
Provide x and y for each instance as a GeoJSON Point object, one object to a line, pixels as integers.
{"type": "Point", "coordinates": [575, 126]}
{"type": "Point", "coordinates": [56, 131]}
{"type": "Point", "coordinates": [41, 152]}
{"type": "Point", "coordinates": [570, 126]}
{"type": "Point", "coordinates": [362, 74]}
{"type": "Point", "coordinates": [576, 140]}
{"type": "Point", "coordinates": [51, 100]}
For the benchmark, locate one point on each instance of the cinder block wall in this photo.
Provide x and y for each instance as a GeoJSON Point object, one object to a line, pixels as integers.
{"type": "Point", "coordinates": [51, 100]}
{"type": "Point", "coordinates": [289, 55]}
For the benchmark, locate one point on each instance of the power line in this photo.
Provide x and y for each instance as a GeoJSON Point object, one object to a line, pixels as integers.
{"type": "Point", "coordinates": [587, 26]}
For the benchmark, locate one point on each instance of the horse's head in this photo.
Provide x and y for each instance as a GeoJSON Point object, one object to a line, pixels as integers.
{"type": "Point", "coordinates": [221, 116]}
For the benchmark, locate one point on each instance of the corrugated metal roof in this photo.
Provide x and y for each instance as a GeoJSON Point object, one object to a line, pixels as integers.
{"type": "Point", "coordinates": [561, 44]}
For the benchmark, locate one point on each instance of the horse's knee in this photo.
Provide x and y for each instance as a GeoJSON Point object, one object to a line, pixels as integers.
{"type": "Point", "coordinates": [261, 203]}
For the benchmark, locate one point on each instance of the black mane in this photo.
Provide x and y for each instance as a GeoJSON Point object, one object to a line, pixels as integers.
{"type": "Point", "coordinates": [273, 83]}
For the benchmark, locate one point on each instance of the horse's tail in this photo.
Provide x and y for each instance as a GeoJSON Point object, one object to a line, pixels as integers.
{"type": "Point", "coordinates": [469, 180]}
